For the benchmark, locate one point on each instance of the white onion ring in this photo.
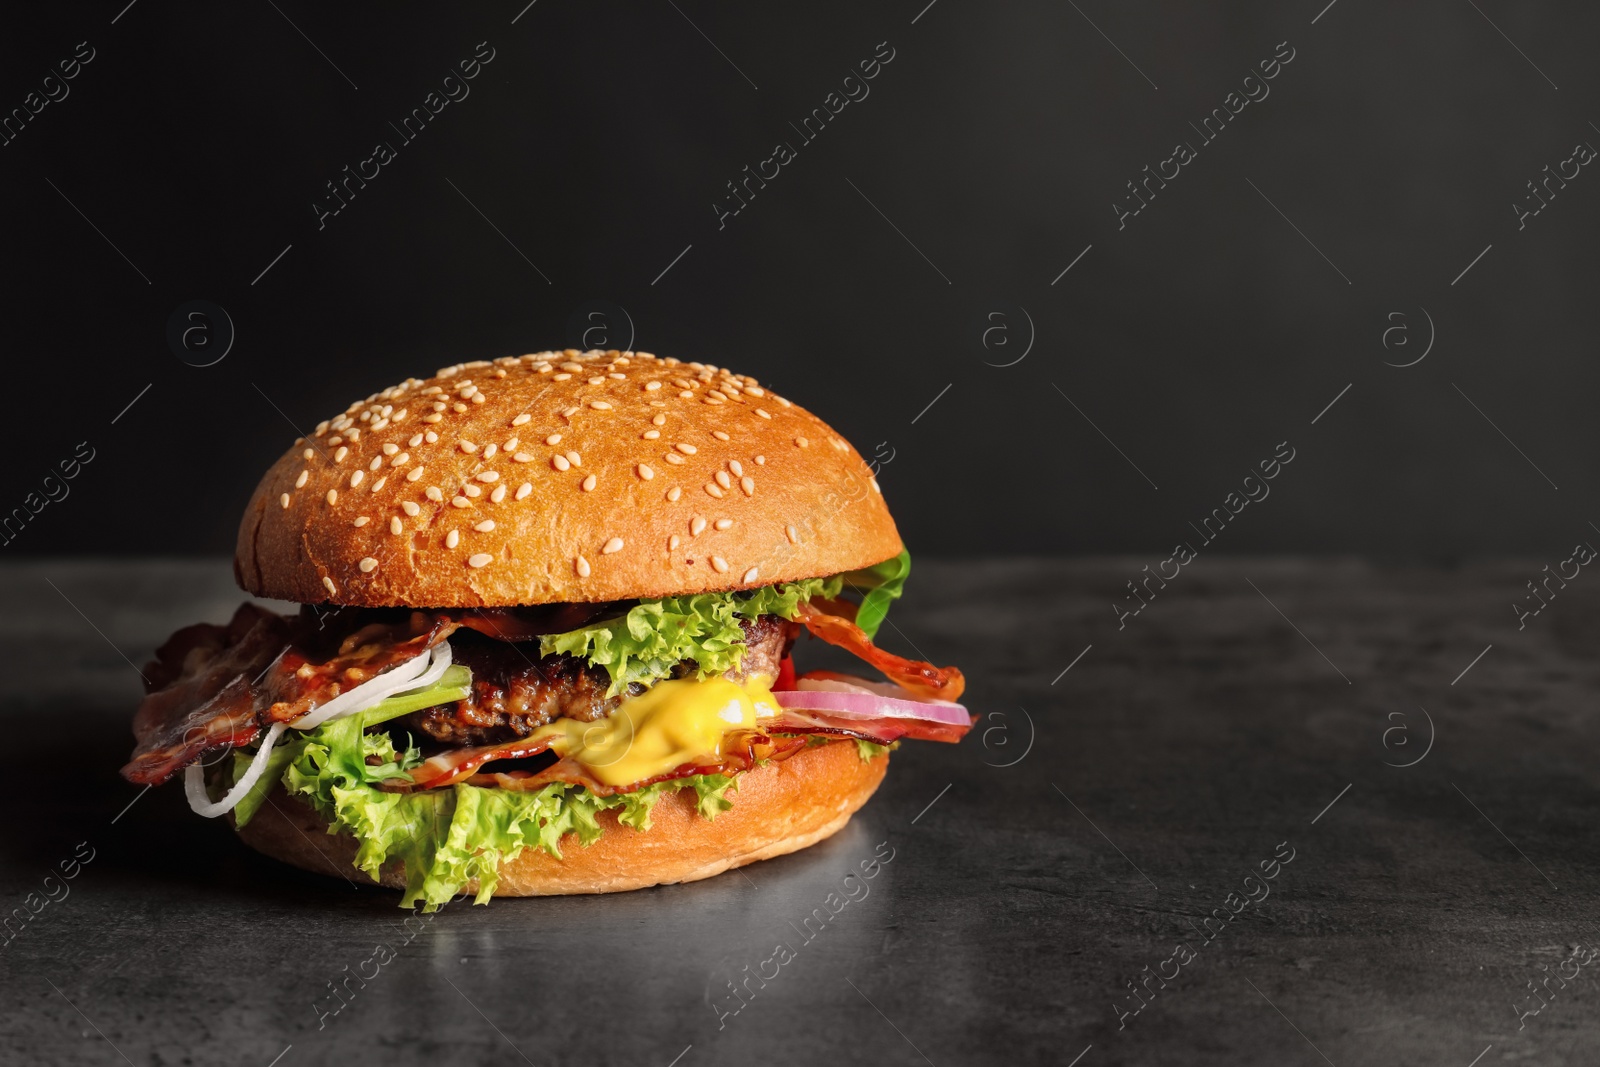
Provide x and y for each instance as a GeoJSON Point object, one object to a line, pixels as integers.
{"type": "Point", "coordinates": [869, 705]}
{"type": "Point", "coordinates": [418, 672]}
{"type": "Point", "coordinates": [194, 782]}
{"type": "Point", "coordinates": [414, 673]}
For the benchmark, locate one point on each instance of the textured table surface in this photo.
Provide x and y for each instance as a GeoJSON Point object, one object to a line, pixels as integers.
{"type": "Point", "coordinates": [1092, 823]}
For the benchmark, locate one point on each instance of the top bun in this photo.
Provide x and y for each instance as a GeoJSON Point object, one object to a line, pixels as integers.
{"type": "Point", "coordinates": [560, 477]}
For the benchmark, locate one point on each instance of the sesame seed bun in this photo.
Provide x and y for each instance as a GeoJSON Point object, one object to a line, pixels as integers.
{"type": "Point", "coordinates": [778, 808]}
{"type": "Point", "coordinates": [560, 477]}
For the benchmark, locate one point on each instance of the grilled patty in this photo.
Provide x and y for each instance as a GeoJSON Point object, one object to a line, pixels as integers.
{"type": "Point", "coordinates": [514, 691]}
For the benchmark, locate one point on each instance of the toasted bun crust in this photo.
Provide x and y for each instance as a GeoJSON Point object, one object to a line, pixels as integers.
{"type": "Point", "coordinates": [781, 807]}
{"type": "Point", "coordinates": [557, 478]}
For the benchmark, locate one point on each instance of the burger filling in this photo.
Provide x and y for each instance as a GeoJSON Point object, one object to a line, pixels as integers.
{"type": "Point", "coordinates": [453, 739]}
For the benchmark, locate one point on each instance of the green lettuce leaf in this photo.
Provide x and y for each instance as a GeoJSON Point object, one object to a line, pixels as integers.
{"type": "Point", "coordinates": [881, 583]}
{"type": "Point", "coordinates": [649, 642]}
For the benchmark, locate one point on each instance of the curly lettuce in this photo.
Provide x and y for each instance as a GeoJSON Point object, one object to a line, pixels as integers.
{"type": "Point", "coordinates": [649, 642]}
{"type": "Point", "coordinates": [445, 837]}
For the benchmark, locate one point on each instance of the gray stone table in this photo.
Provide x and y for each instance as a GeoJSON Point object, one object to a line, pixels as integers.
{"type": "Point", "coordinates": [1104, 826]}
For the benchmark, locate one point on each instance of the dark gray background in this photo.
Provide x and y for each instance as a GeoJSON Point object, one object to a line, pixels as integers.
{"type": "Point", "coordinates": [996, 142]}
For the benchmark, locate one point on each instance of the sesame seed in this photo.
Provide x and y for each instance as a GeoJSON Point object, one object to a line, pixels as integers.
{"type": "Point", "coordinates": [748, 484]}
{"type": "Point", "coordinates": [560, 463]}
{"type": "Point", "coordinates": [673, 457]}
{"type": "Point", "coordinates": [553, 439]}
{"type": "Point", "coordinates": [617, 376]}
{"type": "Point", "coordinates": [355, 478]}
{"type": "Point", "coordinates": [489, 450]}
{"type": "Point", "coordinates": [439, 405]}
{"type": "Point", "coordinates": [433, 493]}
{"type": "Point", "coordinates": [479, 559]}
{"type": "Point", "coordinates": [452, 539]}
{"type": "Point", "coordinates": [696, 526]}
{"type": "Point", "coordinates": [569, 365]}
{"type": "Point", "coordinates": [338, 457]}
{"type": "Point", "coordinates": [613, 545]}
{"type": "Point", "coordinates": [574, 459]}
{"type": "Point", "coordinates": [395, 525]}
{"type": "Point", "coordinates": [588, 483]}
{"type": "Point", "coordinates": [802, 442]}
{"type": "Point", "coordinates": [763, 413]}
{"type": "Point", "coordinates": [332, 591]}
{"type": "Point", "coordinates": [485, 526]}
{"type": "Point", "coordinates": [410, 507]}
{"type": "Point", "coordinates": [723, 480]}
{"type": "Point", "coordinates": [487, 476]}
{"type": "Point", "coordinates": [435, 417]}
{"type": "Point", "coordinates": [283, 501]}
{"type": "Point", "coordinates": [300, 482]}
{"type": "Point", "coordinates": [720, 564]}
{"type": "Point", "coordinates": [597, 381]}
{"type": "Point", "coordinates": [416, 440]}
{"type": "Point", "coordinates": [646, 472]}
{"type": "Point", "coordinates": [714, 489]}
{"type": "Point", "coordinates": [390, 448]}
{"type": "Point", "coordinates": [651, 387]}
{"type": "Point", "coordinates": [723, 524]}
{"type": "Point", "coordinates": [581, 565]}
{"type": "Point", "coordinates": [659, 419]}
{"type": "Point", "coordinates": [686, 448]}
{"type": "Point", "coordinates": [718, 394]}
{"type": "Point", "coordinates": [567, 413]}
{"type": "Point", "coordinates": [755, 390]}
{"type": "Point", "coordinates": [686, 395]}
{"type": "Point", "coordinates": [875, 488]}
{"type": "Point", "coordinates": [467, 446]}
{"type": "Point", "coordinates": [524, 489]}
{"type": "Point", "coordinates": [719, 435]}
{"type": "Point", "coordinates": [794, 536]}
{"type": "Point", "coordinates": [523, 419]}
{"type": "Point", "coordinates": [415, 473]}
{"type": "Point", "coordinates": [782, 401]}
{"type": "Point", "coordinates": [600, 405]}
{"type": "Point", "coordinates": [523, 457]}
{"type": "Point", "coordinates": [651, 435]}
{"type": "Point", "coordinates": [307, 454]}
{"type": "Point", "coordinates": [750, 575]}
{"type": "Point", "coordinates": [511, 445]}
{"type": "Point", "coordinates": [561, 377]}
{"type": "Point", "coordinates": [498, 494]}
{"type": "Point", "coordinates": [673, 542]}
{"type": "Point", "coordinates": [431, 437]}
{"type": "Point", "coordinates": [674, 493]}
{"type": "Point", "coordinates": [471, 490]}
{"type": "Point", "coordinates": [761, 461]}
{"type": "Point", "coordinates": [377, 461]}
{"type": "Point", "coordinates": [333, 496]}
{"type": "Point", "coordinates": [460, 502]}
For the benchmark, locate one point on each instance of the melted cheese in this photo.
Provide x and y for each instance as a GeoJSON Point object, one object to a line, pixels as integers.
{"type": "Point", "coordinates": [666, 726]}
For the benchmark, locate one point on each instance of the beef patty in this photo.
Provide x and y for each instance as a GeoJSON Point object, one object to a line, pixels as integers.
{"type": "Point", "coordinates": [514, 691]}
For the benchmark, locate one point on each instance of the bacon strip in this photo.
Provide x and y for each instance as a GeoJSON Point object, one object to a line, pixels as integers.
{"type": "Point", "coordinates": [216, 687]}
{"type": "Point", "coordinates": [740, 753]}
{"type": "Point", "coordinates": [922, 679]}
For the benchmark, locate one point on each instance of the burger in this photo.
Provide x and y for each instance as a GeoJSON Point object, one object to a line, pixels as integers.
{"type": "Point", "coordinates": [547, 610]}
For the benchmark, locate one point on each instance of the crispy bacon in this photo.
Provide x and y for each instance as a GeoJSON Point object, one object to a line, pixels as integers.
{"type": "Point", "coordinates": [741, 750]}
{"type": "Point", "coordinates": [216, 687]}
{"type": "Point", "coordinates": [884, 730]}
{"type": "Point", "coordinates": [923, 679]}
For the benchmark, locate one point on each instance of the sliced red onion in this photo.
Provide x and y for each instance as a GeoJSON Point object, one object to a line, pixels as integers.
{"type": "Point", "coordinates": [194, 782]}
{"type": "Point", "coordinates": [871, 705]}
{"type": "Point", "coordinates": [831, 682]}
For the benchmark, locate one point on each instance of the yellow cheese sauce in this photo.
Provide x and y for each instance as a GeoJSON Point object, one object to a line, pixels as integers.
{"type": "Point", "coordinates": [666, 726]}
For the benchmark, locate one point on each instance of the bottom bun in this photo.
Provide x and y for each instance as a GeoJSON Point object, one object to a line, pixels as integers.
{"type": "Point", "coordinates": [777, 808]}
